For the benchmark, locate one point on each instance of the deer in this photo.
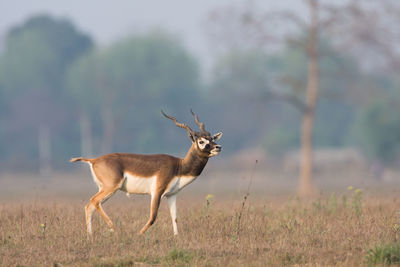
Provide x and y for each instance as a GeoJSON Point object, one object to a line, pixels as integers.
{"type": "Point", "coordinates": [157, 175]}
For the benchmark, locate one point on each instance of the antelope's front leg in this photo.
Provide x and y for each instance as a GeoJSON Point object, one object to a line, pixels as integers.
{"type": "Point", "coordinates": [173, 211]}
{"type": "Point", "coordinates": [155, 204]}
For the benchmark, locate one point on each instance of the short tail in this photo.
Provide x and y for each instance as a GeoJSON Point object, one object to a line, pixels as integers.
{"type": "Point", "coordinates": [79, 159]}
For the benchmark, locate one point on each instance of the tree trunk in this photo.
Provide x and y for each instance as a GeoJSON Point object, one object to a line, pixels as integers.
{"type": "Point", "coordinates": [44, 150]}
{"type": "Point", "coordinates": [86, 135]}
{"type": "Point", "coordinates": [108, 130]}
{"type": "Point", "coordinates": [306, 187]}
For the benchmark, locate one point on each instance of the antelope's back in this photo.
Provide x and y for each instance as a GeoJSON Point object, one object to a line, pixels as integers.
{"type": "Point", "coordinates": [137, 164]}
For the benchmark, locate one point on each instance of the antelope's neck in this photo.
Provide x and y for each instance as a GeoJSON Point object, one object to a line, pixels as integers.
{"type": "Point", "coordinates": [193, 163]}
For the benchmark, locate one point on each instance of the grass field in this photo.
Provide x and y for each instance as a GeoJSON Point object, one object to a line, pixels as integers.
{"type": "Point", "coordinates": [347, 228]}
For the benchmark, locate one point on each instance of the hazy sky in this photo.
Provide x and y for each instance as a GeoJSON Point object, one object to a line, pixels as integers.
{"type": "Point", "coordinates": [109, 20]}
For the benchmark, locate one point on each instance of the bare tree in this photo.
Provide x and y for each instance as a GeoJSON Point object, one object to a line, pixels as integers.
{"type": "Point", "coordinates": [257, 28]}
{"type": "Point", "coordinates": [305, 186]}
{"type": "Point", "coordinates": [365, 29]}
{"type": "Point", "coordinates": [369, 30]}
{"type": "Point", "coordinates": [44, 150]}
{"type": "Point", "coordinates": [86, 135]}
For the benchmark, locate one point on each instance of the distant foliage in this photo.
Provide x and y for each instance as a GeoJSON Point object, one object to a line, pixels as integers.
{"type": "Point", "coordinates": [252, 77]}
{"type": "Point", "coordinates": [33, 67]}
{"type": "Point", "coordinates": [379, 128]}
{"type": "Point", "coordinates": [53, 77]}
{"type": "Point", "coordinates": [132, 80]}
{"type": "Point", "coordinates": [38, 53]}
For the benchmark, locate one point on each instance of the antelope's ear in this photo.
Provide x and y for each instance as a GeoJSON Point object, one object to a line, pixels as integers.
{"type": "Point", "coordinates": [217, 136]}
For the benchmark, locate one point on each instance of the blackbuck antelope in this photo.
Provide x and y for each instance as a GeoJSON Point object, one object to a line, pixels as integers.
{"type": "Point", "coordinates": [157, 175]}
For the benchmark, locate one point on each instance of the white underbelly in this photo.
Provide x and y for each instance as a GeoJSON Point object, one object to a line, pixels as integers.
{"type": "Point", "coordinates": [138, 185]}
{"type": "Point", "coordinates": [177, 184]}
{"type": "Point", "coordinates": [95, 179]}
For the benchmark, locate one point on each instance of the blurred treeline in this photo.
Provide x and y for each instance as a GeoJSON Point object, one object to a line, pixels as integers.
{"type": "Point", "coordinates": [62, 95]}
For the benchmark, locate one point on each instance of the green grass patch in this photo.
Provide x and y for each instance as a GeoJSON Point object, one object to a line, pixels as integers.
{"type": "Point", "coordinates": [178, 256]}
{"type": "Point", "coordinates": [386, 254]}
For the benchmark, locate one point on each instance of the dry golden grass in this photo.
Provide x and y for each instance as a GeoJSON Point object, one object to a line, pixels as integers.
{"type": "Point", "coordinates": [336, 229]}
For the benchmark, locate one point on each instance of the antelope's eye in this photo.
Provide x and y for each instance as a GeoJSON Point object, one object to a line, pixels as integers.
{"type": "Point", "coordinates": [201, 142]}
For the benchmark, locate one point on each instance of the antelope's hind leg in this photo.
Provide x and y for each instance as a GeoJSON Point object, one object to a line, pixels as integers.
{"type": "Point", "coordinates": [95, 204]}
{"type": "Point", "coordinates": [109, 179]}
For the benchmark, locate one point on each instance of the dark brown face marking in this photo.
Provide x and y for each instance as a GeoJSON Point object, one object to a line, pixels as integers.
{"type": "Point", "coordinates": [206, 145]}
